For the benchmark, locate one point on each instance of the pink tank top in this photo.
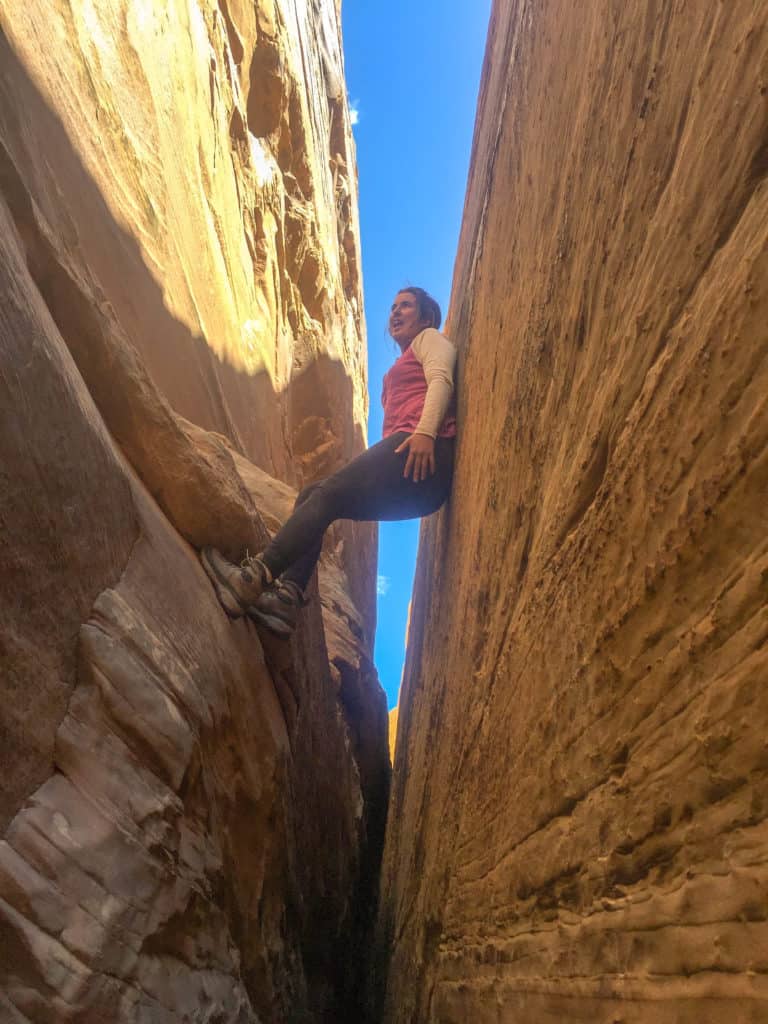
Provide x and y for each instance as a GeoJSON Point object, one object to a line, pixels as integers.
{"type": "Point", "coordinates": [403, 392]}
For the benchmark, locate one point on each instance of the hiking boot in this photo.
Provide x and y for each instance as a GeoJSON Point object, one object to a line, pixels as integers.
{"type": "Point", "coordinates": [278, 608]}
{"type": "Point", "coordinates": [237, 587]}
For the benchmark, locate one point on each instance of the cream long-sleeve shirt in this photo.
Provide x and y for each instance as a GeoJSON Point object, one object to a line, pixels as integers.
{"type": "Point", "coordinates": [418, 388]}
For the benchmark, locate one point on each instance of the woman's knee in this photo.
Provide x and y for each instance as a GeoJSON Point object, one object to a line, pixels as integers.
{"type": "Point", "coordinates": [320, 500]}
{"type": "Point", "coordinates": [305, 493]}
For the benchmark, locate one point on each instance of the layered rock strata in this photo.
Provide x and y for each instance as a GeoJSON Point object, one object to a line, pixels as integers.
{"type": "Point", "coordinates": [578, 818]}
{"type": "Point", "coordinates": [190, 813]}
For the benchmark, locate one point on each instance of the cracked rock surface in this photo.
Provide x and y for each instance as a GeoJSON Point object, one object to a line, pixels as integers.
{"type": "Point", "coordinates": [191, 814]}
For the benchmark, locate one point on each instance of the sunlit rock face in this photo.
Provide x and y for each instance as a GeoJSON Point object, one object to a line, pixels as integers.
{"type": "Point", "coordinates": [197, 157]}
{"type": "Point", "coordinates": [190, 813]}
{"type": "Point", "coordinates": [578, 820]}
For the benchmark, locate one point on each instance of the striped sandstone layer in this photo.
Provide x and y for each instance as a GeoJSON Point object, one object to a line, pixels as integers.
{"type": "Point", "coordinates": [578, 818]}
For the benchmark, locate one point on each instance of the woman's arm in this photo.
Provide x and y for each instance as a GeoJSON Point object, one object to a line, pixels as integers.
{"type": "Point", "coordinates": [438, 357]}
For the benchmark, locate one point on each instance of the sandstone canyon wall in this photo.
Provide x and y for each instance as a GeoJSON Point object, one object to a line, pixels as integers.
{"type": "Point", "coordinates": [578, 817]}
{"type": "Point", "coordinates": [190, 812]}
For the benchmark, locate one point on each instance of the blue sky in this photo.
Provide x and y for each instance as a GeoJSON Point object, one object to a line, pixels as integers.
{"type": "Point", "coordinates": [413, 72]}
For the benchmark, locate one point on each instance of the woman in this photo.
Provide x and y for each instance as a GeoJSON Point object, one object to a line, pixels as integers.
{"type": "Point", "coordinates": [405, 476]}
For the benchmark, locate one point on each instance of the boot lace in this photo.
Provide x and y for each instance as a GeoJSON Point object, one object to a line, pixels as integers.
{"type": "Point", "coordinates": [254, 564]}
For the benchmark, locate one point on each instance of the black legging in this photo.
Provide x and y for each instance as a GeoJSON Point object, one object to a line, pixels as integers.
{"type": "Point", "coordinates": [370, 487]}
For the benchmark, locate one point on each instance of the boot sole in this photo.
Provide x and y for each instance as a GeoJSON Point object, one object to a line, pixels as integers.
{"type": "Point", "coordinates": [272, 623]}
{"type": "Point", "coordinates": [228, 600]}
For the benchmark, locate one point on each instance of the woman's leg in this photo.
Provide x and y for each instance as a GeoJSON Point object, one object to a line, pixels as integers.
{"type": "Point", "coordinates": [370, 487]}
{"type": "Point", "coordinates": [300, 572]}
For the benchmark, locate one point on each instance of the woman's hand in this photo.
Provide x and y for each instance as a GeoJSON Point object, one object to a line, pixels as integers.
{"type": "Point", "coordinates": [421, 456]}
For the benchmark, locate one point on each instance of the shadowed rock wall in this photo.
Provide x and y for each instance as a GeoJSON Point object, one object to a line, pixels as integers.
{"type": "Point", "coordinates": [198, 159]}
{"type": "Point", "coordinates": [578, 818]}
{"type": "Point", "coordinates": [191, 821]}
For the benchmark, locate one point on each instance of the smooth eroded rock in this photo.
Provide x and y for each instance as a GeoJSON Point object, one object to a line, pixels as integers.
{"type": "Point", "coordinates": [578, 820]}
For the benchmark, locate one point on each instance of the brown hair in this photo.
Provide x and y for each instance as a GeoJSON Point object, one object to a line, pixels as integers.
{"type": "Point", "coordinates": [429, 309]}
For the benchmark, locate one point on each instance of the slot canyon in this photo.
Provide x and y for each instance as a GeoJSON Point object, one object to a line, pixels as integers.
{"type": "Point", "coordinates": [200, 822]}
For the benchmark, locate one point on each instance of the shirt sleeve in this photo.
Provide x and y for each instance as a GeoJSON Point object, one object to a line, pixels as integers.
{"type": "Point", "coordinates": [437, 357]}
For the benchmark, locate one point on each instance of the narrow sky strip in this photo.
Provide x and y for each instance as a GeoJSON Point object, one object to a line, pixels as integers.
{"type": "Point", "coordinates": [412, 72]}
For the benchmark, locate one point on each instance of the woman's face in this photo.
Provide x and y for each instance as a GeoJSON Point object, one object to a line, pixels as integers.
{"type": "Point", "coordinates": [404, 321]}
